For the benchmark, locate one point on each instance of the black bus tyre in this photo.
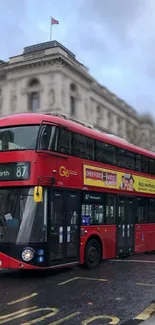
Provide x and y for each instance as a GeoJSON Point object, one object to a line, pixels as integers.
{"type": "Point", "coordinates": [92, 254]}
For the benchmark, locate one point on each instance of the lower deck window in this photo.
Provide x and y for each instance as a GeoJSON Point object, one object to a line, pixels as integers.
{"type": "Point", "coordinates": [141, 210]}
{"type": "Point", "coordinates": [151, 211]}
{"type": "Point", "coordinates": [92, 214]}
{"type": "Point", "coordinates": [110, 209]}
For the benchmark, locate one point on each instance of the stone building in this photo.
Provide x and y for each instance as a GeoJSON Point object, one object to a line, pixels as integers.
{"type": "Point", "coordinates": [47, 77]}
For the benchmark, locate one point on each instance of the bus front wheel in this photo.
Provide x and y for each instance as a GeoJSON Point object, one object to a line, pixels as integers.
{"type": "Point", "coordinates": [92, 254]}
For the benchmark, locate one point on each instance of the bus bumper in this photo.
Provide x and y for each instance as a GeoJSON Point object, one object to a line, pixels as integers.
{"type": "Point", "coordinates": [7, 262]}
{"type": "Point", "coordinates": [4, 261]}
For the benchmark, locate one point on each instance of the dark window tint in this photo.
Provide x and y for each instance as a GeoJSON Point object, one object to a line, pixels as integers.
{"type": "Point", "coordinates": [151, 210]}
{"type": "Point", "coordinates": [141, 210]}
{"type": "Point", "coordinates": [125, 159]}
{"type": "Point", "coordinates": [48, 137]}
{"type": "Point", "coordinates": [121, 211]}
{"type": "Point", "coordinates": [138, 163]}
{"type": "Point", "coordinates": [105, 153]}
{"type": "Point", "coordinates": [56, 225]}
{"type": "Point", "coordinates": [152, 166]}
{"type": "Point", "coordinates": [83, 147]}
{"type": "Point", "coordinates": [92, 214]}
{"type": "Point", "coordinates": [64, 141]}
{"type": "Point", "coordinates": [72, 224]}
{"type": "Point", "coordinates": [144, 166]}
{"type": "Point", "coordinates": [110, 209]}
{"type": "Point", "coordinates": [73, 209]}
{"type": "Point", "coordinates": [57, 210]}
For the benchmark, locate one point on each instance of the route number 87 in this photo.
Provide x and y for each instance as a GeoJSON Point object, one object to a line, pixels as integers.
{"type": "Point", "coordinates": [20, 171]}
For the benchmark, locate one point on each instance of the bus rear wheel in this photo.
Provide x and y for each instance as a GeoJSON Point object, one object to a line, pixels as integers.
{"type": "Point", "coordinates": [92, 254]}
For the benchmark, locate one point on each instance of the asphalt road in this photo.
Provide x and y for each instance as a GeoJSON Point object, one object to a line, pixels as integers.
{"type": "Point", "coordinates": [118, 292]}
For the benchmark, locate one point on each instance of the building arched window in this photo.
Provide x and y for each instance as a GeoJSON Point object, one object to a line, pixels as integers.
{"type": "Point", "coordinates": [34, 82]}
{"type": "Point", "coordinates": [34, 95]}
{"type": "Point", "coordinates": [73, 93]}
{"type": "Point", "coordinates": [34, 101]}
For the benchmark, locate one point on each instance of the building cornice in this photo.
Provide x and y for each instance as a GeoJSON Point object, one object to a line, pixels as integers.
{"type": "Point", "coordinates": [108, 96]}
{"type": "Point", "coordinates": [57, 60]}
{"type": "Point", "coordinates": [60, 60]}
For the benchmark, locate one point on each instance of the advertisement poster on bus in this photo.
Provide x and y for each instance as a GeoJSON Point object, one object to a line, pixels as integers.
{"type": "Point", "coordinates": [109, 178]}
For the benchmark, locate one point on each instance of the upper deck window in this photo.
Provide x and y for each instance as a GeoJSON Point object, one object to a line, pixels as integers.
{"type": "Point", "coordinates": [48, 138]}
{"type": "Point", "coordinates": [105, 153]}
{"type": "Point", "coordinates": [83, 147]}
{"type": "Point", "coordinates": [64, 141]}
{"type": "Point", "coordinates": [18, 137]}
{"type": "Point", "coordinates": [125, 159]}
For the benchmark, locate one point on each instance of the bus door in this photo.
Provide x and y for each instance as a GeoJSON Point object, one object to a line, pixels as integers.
{"type": "Point", "coordinates": [64, 227]}
{"type": "Point", "coordinates": [125, 225]}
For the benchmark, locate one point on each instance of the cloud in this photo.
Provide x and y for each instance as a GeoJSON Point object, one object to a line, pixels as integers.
{"type": "Point", "coordinates": [116, 15]}
{"type": "Point", "coordinates": [13, 19]}
{"type": "Point", "coordinates": [117, 40]}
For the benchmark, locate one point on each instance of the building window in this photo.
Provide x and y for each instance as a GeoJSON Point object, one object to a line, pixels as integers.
{"type": "Point", "coordinates": [72, 87]}
{"type": "Point", "coordinates": [99, 115]}
{"type": "Point", "coordinates": [72, 105]}
{"type": "Point", "coordinates": [1, 101]}
{"type": "Point", "coordinates": [34, 94]}
{"type": "Point", "coordinates": [73, 96]}
{"type": "Point", "coordinates": [34, 101]}
{"type": "Point", "coordinates": [110, 122]}
{"type": "Point", "coordinates": [118, 123]}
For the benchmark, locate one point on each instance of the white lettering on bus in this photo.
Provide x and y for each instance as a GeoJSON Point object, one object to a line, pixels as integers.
{"type": "Point", "coordinates": [4, 173]}
{"type": "Point", "coordinates": [94, 174]}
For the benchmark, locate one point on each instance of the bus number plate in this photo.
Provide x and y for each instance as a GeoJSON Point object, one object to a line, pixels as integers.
{"type": "Point", "coordinates": [15, 171]}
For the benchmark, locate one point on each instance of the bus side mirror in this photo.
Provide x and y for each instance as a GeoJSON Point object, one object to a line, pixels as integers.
{"type": "Point", "coordinates": [38, 194]}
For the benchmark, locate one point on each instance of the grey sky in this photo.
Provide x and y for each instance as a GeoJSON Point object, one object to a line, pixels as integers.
{"type": "Point", "coordinates": [113, 38]}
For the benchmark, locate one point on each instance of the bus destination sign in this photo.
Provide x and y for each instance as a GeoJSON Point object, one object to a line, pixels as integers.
{"type": "Point", "coordinates": [14, 171]}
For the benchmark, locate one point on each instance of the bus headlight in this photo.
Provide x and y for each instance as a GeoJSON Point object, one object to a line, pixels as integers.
{"type": "Point", "coordinates": [27, 255]}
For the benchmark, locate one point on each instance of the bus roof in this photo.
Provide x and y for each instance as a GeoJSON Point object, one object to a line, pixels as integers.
{"type": "Point", "coordinates": [76, 126]}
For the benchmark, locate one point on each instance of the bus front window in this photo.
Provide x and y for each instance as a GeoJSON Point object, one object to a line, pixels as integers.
{"type": "Point", "coordinates": [18, 137]}
{"type": "Point", "coordinates": [22, 220]}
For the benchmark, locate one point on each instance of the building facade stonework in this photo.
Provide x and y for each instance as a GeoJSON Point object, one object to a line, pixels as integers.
{"type": "Point", "coordinates": [48, 78]}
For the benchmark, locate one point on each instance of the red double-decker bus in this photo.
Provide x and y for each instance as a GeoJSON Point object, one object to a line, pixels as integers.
{"type": "Point", "coordinates": [71, 195]}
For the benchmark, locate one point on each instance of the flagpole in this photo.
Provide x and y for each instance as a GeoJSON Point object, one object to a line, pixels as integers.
{"type": "Point", "coordinates": [51, 29]}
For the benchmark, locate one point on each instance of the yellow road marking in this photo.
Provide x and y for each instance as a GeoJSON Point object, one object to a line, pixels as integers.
{"type": "Point", "coordinates": [53, 311]}
{"type": "Point", "coordinates": [145, 284]}
{"type": "Point", "coordinates": [32, 310]}
{"type": "Point", "coordinates": [17, 314]}
{"type": "Point", "coordinates": [59, 321]}
{"type": "Point", "coordinates": [82, 278]}
{"type": "Point", "coordinates": [113, 320]}
{"type": "Point", "coordinates": [22, 299]}
{"type": "Point", "coordinates": [70, 280]}
{"type": "Point", "coordinates": [93, 279]}
{"type": "Point", "coordinates": [147, 313]}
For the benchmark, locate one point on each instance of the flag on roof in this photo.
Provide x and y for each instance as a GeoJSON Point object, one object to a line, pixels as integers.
{"type": "Point", "coordinates": [54, 21]}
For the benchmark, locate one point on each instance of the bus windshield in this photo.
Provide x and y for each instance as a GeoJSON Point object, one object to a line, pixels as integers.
{"type": "Point", "coordinates": [18, 137]}
{"type": "Point", "coordinates": [21, 219]}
